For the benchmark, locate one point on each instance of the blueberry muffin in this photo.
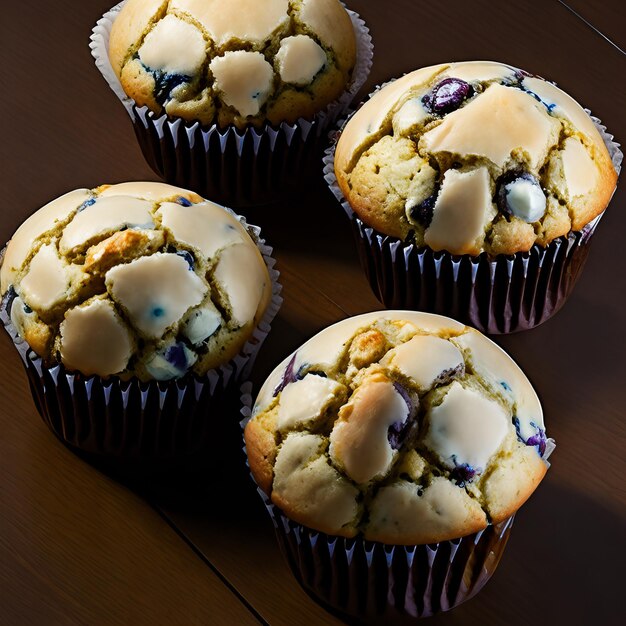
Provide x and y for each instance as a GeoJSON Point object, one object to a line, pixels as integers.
{"type": "Point", "coordinates": [403, 428]}
{"type": "Point", "coordinates": [233, 61]}
{"type": "Point", "coordinates": [393, 450]}
{"type": "Point", "coordinates": [137, 309]}
{"type": "Point", "coordinates": [474, 190]}
{"type": "Point", "coordinates": [135, 279]}
{"type": "Point", "coordinates": [472, 157]}
{"type": "Point", "coordinates": [233, 98]}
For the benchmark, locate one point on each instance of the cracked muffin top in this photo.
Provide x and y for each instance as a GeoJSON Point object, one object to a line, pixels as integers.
{"type": "Point", "coordinates": [472, 157]}
{"type": "Point", "coordinates": [233, 61]}
{"type": "Point", "coordinates": [135, 279]}
{"type": "Point", "coordinates": [409, 428]}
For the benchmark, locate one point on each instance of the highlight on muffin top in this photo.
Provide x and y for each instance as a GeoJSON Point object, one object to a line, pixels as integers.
{"type": "Point", "coordinates": [409, 428]}
{"type": "Point", "coordinates": [474, 156]}
{"type": "Point", "coordinates": [233, 61]}
{"type": "Point", "coordinates": [134, 279]}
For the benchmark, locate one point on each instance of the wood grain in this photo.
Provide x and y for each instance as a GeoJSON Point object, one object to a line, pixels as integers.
{"type": "Point", "coordinates": [79, 547]}
{"type": "Point", "coordinates": [75, 546]}
{"type": "Point", "coordinates": [607, 18]}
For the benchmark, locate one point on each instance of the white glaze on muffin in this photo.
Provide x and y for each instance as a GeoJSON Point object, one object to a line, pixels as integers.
{"type": "Point", "coordinates": [140, 279]}
{"type": "Point", "coordinates": [421, 430]}
{"type": "Point", "coordinates": [234, 61]}
{"type": "Point", "coordinates": [474, 156]}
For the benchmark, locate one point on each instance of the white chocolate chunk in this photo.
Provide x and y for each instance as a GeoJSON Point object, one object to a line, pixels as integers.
{"type": "Point", "coordinates": [305, 400]}
{"type": "Point", "coordinates": [322, 351]}
{"type": "Point", "coordinates": [299, 59]}
{"type": "Point", "coordinates": [47, 281]}
{"type": "Point", "coordinates": [358, 441]}
{"type": "Point", "coordinates": [424, 359]}
{"type": "Point", "coordinates": [369, 119]}
{"type": "Point", "coordinates": [462, 209]}
{"type": "Point", "coordinates": [322, 17]}
{"type": "Point", "coordinates": [579, 169]}
{"type": "Point", "coordinates": [562, 104]}
{"type": "Point", "coordinates": [525, 200]}
{"type": "Point", "coordinates": [146, 190]}
{"type": "Point", "coordinates": [19, 315]}
{"type": "Point", "coordinates": [36, 225]}
{"type": "Point", "coordinates": [202, 323]}
{"type": "Point", "coordinates": [105, 215]}
{"type": "Point", "coordinates": [245, 80]}
{"type": "Point", "coordinates": [492, 363]}
{"type": "Point", "coordinates": [171, 361]}
{"type": "Point", "coordinates": [479, 71]}
{"type": "Point", "coordinates": [493, 125]}
{"type": "Point", "coordinates": [246, 20]}
{"type": "Point", "coordinates": [439, 511]}
{"type": "Point", "coordinates": [297, 451]}
{"type": "Point", "coordinates": [156, 291]}
{"type": "Point", "coordinates": [242, 275]}
{"type": "Point", "coordinates": [173, 46]}
{"type": "Point", "coordinates": [94, 339]}
{"type": "Point", "coordinates": [411, 114]}
{"type": "Point", "coordinates": [139, 16]}
{"type": "Point", "coordinates": [466, 428]}
{"type": "Point", "coordinates": [313, 488]}
{"type": "Point", "coordinates": [206, 226]}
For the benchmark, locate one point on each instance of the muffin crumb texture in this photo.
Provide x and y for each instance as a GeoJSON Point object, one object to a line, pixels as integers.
{"type": "Point", "coordinates": [233, 61]}
{"type": "Point", "coordinates": [409, 429]}
{"type": "Point", "coordinates": [135, 279]}
{"type": "Point", "coordinates": [472, 157]}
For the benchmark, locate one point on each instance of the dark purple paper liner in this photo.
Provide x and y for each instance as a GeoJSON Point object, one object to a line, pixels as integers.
{"type": "Point", "coordinates": [371, 582]}
{"type": "Point", "coordinates": [495, 294]}
{"type": "Point", "coordinates": [236, 167]}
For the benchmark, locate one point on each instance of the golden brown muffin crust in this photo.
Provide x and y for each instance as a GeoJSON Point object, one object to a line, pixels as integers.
{"type": "Point", "coordinates": [135, 279]}
{"type": "Point", "coordinates": [406, 427]}
{"type": "Point", "coordinates": [234, 61]}
{"type": "Point", "coordinates": [411, 170]}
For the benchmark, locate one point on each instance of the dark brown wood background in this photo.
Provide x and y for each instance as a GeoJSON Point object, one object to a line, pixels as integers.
{"type": "Point", "coordinates": [77, 547]}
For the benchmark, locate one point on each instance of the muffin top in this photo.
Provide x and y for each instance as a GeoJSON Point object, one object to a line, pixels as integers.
{"type": "Point", "coordinates": [135, 279]}
{"type": "Point", "coordinates": [233, 61]}
{"type": "Point", "coordinates": [409, 428]}
{"type": "Point", "coordinates": [472, 157]}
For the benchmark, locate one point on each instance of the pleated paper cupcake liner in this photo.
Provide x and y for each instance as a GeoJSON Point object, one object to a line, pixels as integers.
{"type": "Point", "coordinates": [495, 294]}
{"type": "Point", "coordinates": [237, 167]}
{"type": "Point", "coordinates": [377, 583]}
{"type": "Point", "coordinates": [146, 422]}
{"type": "Point", "coordinates": [502, 294]}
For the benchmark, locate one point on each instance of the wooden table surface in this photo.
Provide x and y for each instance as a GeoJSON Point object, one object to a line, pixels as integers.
{"type": "Point", "coordinates": [79, 547]}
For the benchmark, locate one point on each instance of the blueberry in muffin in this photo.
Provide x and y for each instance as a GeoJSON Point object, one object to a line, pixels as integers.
{"type": "Point", "coordinates": [233, 61]}
{"type": "Point", "coordinates": [138, 280]}
{"type": "Point", "coordinates": [474, 157]}
{"type": "Point", "coordinates": [401, 428]}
